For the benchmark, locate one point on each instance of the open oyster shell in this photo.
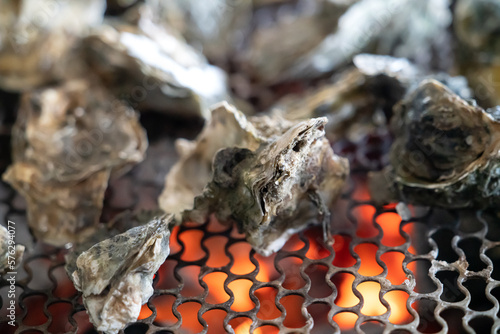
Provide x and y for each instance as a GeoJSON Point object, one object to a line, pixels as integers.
{"type": "Point", "coordinates": [67, 142]}
{"type": "Point", "coordinates": [445, 153]}
{"type": "Point", "coordinates": [38, 40]}
{"type": "Point", "coordinates": [11, 254]}
{"type": "Point", "coordinates": [271, 176]}
{"type": "Point", "coordinates": [154, 69]}
{"type": "Point", "coordinates": [115, 275]}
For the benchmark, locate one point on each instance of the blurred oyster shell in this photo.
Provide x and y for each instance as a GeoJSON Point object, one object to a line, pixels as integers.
{"type": "Point", "coordinates": [360, 101]}
{"type": "Point", "coordinates": [445, 153]}
{"type": "Point", "coordinates": [67, 142]}
{"type": "Point", "coordinates": [115, 275]}
{"type": "Point", "coordinates": [403, 28]}
{"type": "Point", "coordinates": [271, 176]}
{"type": "Point", "coordinates": [154, 69]}
{"type": "Point", "coordinates": [38, 40]}
{"type": "Point", "coordinates": [11, 254]}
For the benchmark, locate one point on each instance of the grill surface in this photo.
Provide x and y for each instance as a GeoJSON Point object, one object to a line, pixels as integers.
{"type": "Point", "coordinates": [446, 260]}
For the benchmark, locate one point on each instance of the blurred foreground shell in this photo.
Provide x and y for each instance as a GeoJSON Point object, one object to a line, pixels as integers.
{"type": "Point", "coordinates": [38, 39]}
{"type": "Point", "coordinates": [445, 152]}
{"type": "Point", "coordinates": [67, 142]}
{"type": "Point", "coordinates": [271, 176]}
{"type": "Point", "coordinates": [115, 275]}
{"type": "Point", "coordinates": [154, 69]}
{"type": "Point", "coordinates": [10, 257]}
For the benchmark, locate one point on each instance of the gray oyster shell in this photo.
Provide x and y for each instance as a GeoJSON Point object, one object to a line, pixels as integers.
{"type": "Point", "coordinates": [67, 142]}
{"type": "Point", "coordinates": [445, 152]}
{"type": "Point", "coordinates": [360, 100]}
{"type": "Point", "coordinates": [153, 68]}
{"type": "Point", "coordinates": [115, 275]}
{"type": "Point", "coordinates": [39, 40]}
{"type": "Point", "coordinates": [403, 28]}
{"type": "Point", "coordinates": [15, 252]}
{"type": "Point", "coordinates": [271, 176]}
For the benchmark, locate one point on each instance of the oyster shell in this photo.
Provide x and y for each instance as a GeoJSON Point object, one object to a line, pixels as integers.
{"type": "Point", "coordinates": [271, 176]}
{"type": "Point", "coordinates": [445, 153]}
{"type": "Point", "coordinates": [115, 275]}
{"type": "Point", "coordinates": [154, 69]}
{"type": "Point", "coordinates": [403, 28]}
{"type": "Point", "coordinates": [11, 254]}
{"type": "Point", "coordinates": [67, 142]}
{"type": "Point", "coordinates": [38, 40]}
{"type": "Point", "coordinates": [360, 101]}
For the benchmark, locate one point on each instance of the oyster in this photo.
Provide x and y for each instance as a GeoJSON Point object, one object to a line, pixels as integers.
{"type": "Point", "coordinates": [445, 153]}
{"type": "Point", "coordinates": [67, 142]}
{"type": "Point", "coordinates": [271, 176]}
{"type": "Point", "coordinates": [10, 253]}
{"type": "Point", "coordinates": [39, 40]}
{"type": "Point", "coordinates": [360, 101]}
{"type": "Point", "coordinates": [403, 28]}
{"type": "Point", "coordinates": [115, 275]}
{"type": "Point", "coordinates": [154, 69]}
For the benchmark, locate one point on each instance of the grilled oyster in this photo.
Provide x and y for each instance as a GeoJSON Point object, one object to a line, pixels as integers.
{"type": "Point", "coordinates": [38, 40]}
{"type": "Point", "coordinates": [271, 176]}
{"type": "Point", "coordinates": [115, 275]}
{"type": "Point", "coordinates": [154, 69]}
{"type": "Point", "coordinates": [10, 253]}
{"type": "Point", "coordinates": [445, 153]}
{"type": "Point", "coordinates": [67, 142]}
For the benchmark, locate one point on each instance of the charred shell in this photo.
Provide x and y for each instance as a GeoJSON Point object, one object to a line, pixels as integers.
{"type": "Point", "coordinates": [271, 176]}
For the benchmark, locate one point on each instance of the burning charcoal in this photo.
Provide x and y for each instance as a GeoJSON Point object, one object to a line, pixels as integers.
{"type": "Point", "coordinates": [38, 40]}
{"type": "Point", "coordinates": [445, 153]}
{"type": "Point", "coordinates": [67, 142]}
{"type": "Point", "coordinates": [10, 254]}
{"type": "Point", "coordinates": [271, 176]}
{"type": "Point", "coordinates": [115, 275]}
{"type": "Point", "coordinates": [153, 69]}
{"type": "Point", "coordinates": [403, 28]}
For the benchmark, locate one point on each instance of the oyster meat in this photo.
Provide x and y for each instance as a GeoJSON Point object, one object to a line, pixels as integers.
{"type": "Point", "coordinates": [271, 176]}
{"type": "Point", "coordinates": [115, 275]}
{"type": "Point", "coordinates": [445, 152]}
{"type": "Point", "coordinates": [39, 40]}
{"type": "Point", "coordinates": [11, 254]}
{"type": "Point", "coordinates": [152, 68]}
{"type": "Point", "coordinates": [67, 142]}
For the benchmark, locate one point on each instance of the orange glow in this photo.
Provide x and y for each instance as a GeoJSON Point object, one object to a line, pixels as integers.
{"type": "Point", "coordinates": [267, 299]}
{"type": "Point", "coordinates": [174, 245]}
{"type": "Point", "coordinates": [345, 295]}
{"type": "Point", "coordinates": [372, 305]}
{"type": "Point", "coordinates": [397, 300]}
{"type": "Point", "coordinates": [317, 249]}
{"type": "Point", "coordinates": [192, 245]}
{"type": "Point", "coordinates": [364, 217]}
{"type": "Point", "coordinates": [215, 321]}
{"type": "Point", "coordinates": [241, 291]}
{"type": "Point", "coordinates": [343, 257]}
{"type": "Point", "coordinates": [390, 221]}
{"type": "Point", "coordinates": [294, 317]}
{"type": "Point", "coordinates": [293, 244]}
{"type": "Point", "coordinates": [394, 263]}
{"type": "Point", "coordinates": [244, 327]}
{"type": "Point", "coordinates": [189, 314]}
{"type": "Point", "coordinates": [145, 312]}
{"type": "Point", "coordinates": [267, 271]}
{"type": "Point", "coordinates": [345, 320]}
{"type": "Point", "coordinates": [164, 314]}
{"type": "Point", "coordinates": [217, 257]}
{"type": "Point", "coordinates": [369, 266]}
{"type": "Point", "coordinates": [241, 254]}
{"type": "Point", "coordinates": [215, 284]}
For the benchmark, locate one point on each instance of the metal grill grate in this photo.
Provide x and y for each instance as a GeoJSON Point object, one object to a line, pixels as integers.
{"type": "Point", "coordinates": [432, 273]}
